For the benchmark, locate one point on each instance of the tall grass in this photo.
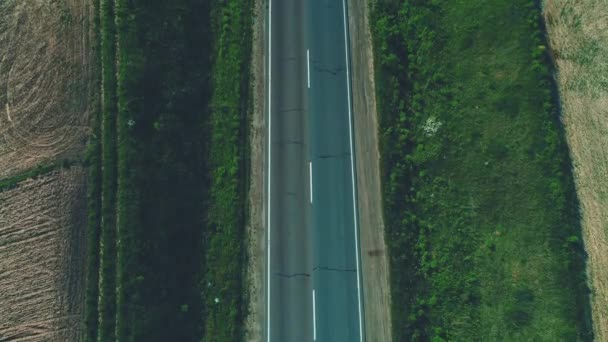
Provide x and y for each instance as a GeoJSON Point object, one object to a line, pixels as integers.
{"type": "Point", "coordinates": [107, 265]}
{"type": "Point", "coordinates": [578, 34]}
{"type": "Point", "coordinates": [94, 181]}
{"type": "Point", "coordinates": [224, 260]}
{"type": "Point", "coordinates": [481, 214]}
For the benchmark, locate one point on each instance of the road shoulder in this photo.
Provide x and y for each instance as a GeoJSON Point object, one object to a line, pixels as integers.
{"type": "Point", "coordinates": [256, 225]}
{"type": "Point", "coordinates": [374, 257]}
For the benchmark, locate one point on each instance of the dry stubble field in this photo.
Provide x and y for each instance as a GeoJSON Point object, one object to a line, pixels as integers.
{"type": "Point", "coordinates": [578, 32]}
{"type": "Point", "coordinates": [45, 80]}
{"type": "Point", "coordinates": [44, 73]}
{"type": "Point", "coordinates": [42, 248]}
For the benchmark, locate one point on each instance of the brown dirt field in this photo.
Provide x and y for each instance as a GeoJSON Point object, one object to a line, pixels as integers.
{"type": "Point", "coordinates": [44, 80]}
{"type": "Point", "coordinates": [578, 32]}
{"type": "Point", "coordinates": [256, 225]}
{"type": "Point", "coordinates": [42, 243]}
{"type": "Point", "coordinates": [374, 258]}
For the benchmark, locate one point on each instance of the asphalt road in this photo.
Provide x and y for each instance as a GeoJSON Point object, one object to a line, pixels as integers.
{"type": "Point", "coordinates": [313, 276]}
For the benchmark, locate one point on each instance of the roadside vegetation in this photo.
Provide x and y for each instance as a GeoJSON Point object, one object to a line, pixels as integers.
{"type": "Point", "coordinates": [167, 171]}
{"type": "Point", "coordinates": [481, 214]}
{"type": "Point", "coordinates": [578, 34]}
{"type": "Point", "coordinates": [224, 265]}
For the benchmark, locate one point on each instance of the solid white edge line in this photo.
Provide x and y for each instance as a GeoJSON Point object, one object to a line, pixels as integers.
{"type": "Point", "coordinates": [352, 167]}
{"type": "Point", "coordinates": [314, 317]}
{"type": "Point", "coordinates": [269, 164]}
{"type": "Point", "coordinates": [308, 66]}
{"type": "Point", "coordinates": [310, 173]}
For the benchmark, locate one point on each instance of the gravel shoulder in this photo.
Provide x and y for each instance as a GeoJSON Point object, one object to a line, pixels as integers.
{"type": "Point", "coordinates": [374, 258]}
{"type": "Point", "coordinates": [256, 224]}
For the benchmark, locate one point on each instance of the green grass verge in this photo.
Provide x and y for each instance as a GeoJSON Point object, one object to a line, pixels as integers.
{"type": "Point", "coordinates": [93, 162]}
{"type": "Point", "coordinates": [225, 242]}
{"type": "Point", "coordinates": [171, 197]}
{"type": "Point", "coordinates": [173, 166]}
{"type": "Point", "coordinates": [481, 214]}
{"type": "Point", "coordinates": [107, 271]}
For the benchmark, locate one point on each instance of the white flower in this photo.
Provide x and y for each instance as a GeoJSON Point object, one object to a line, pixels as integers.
{"type": "Point", "coordinates": [431, 126]}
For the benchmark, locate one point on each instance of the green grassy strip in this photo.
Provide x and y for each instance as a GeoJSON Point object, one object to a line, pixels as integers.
{"type": "Point", "coordinates": [127, 198]}
{"type": "Point", "coordinates": [93, 161]}
{"type": "Point", "coordinates": [480, 209]}
{"type": "Point", "coordinates": [165, 63]}
{"type": "Point", "coordinates": [13, 181]}
{"type": "Point", "coordinates": [224, 256]}
{"type": "Point", "coordinates": [107, 270]}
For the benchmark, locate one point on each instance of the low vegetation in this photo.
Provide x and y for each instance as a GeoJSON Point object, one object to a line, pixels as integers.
{"type": "Point", "coordinates": [480, 209]}
{"type": "Point", "coordinates": [224, 264]}
{"type": "Point", "coordinates": [171, 147]}
{"type": "Point", "coordinates": [578, 32]}
{"type": "Point", "coordinates": [12, 182]}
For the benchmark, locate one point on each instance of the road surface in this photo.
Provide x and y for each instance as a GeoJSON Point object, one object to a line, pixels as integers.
{"type": "Point", "coordinates": [313, 268]}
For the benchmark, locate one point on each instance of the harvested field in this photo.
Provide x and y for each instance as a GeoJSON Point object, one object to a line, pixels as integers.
{"type": "Point", "coordinates": [45, 87]}
{"type": "Point", "coordinates": [578, 32]}
{"type": "Point", "coordinates": [42, 225]}
{"type": "Point", "coordinates": [44, 80]}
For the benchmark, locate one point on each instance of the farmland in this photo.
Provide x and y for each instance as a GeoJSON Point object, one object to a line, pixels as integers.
{"type": "Point", "coordinates": [43, 257]}
{"type": "Point", "coordinates": [481, 213]}
{"type": "Point", "coordinates": [578, 34]}
{"type": "Point", "coordinates": [44, 70]}
{"type": "Point", "coordinates": [46, 98]}
{"type": "Point", "coordinates": [175, 77]}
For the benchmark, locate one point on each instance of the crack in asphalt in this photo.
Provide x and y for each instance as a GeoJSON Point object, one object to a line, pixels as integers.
{"type": "Point", "coordinates": [290, 110]}
{"type": "Point", "coordinates": [328, 156]}
{"type": "Point", "coordinates": [323, 268]}
{"type": "Point", "coordinates": [286, 275]}
{"type": "Point", "coordinates": [333, 72]}
{"type": "Point", "coordinates": [288, 142]}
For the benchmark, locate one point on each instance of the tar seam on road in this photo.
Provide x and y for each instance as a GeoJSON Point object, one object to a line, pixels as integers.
{"type": "Point", "coordinates": [308, 66]}
{"type": "Point", "coordinates": [310, 173]}
{"type": "Point", "coordinates": [314, 317]}
{"type": "Point", "coordinates": [269, 165]}
{"type": "Point", "coordinates": [352, 167]}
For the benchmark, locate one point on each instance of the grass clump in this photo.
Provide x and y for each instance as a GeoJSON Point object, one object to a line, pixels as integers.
{"type": "Point", "coordinates": [42, 169]}
{"type": "Point", "coordinates": [480, 207]}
